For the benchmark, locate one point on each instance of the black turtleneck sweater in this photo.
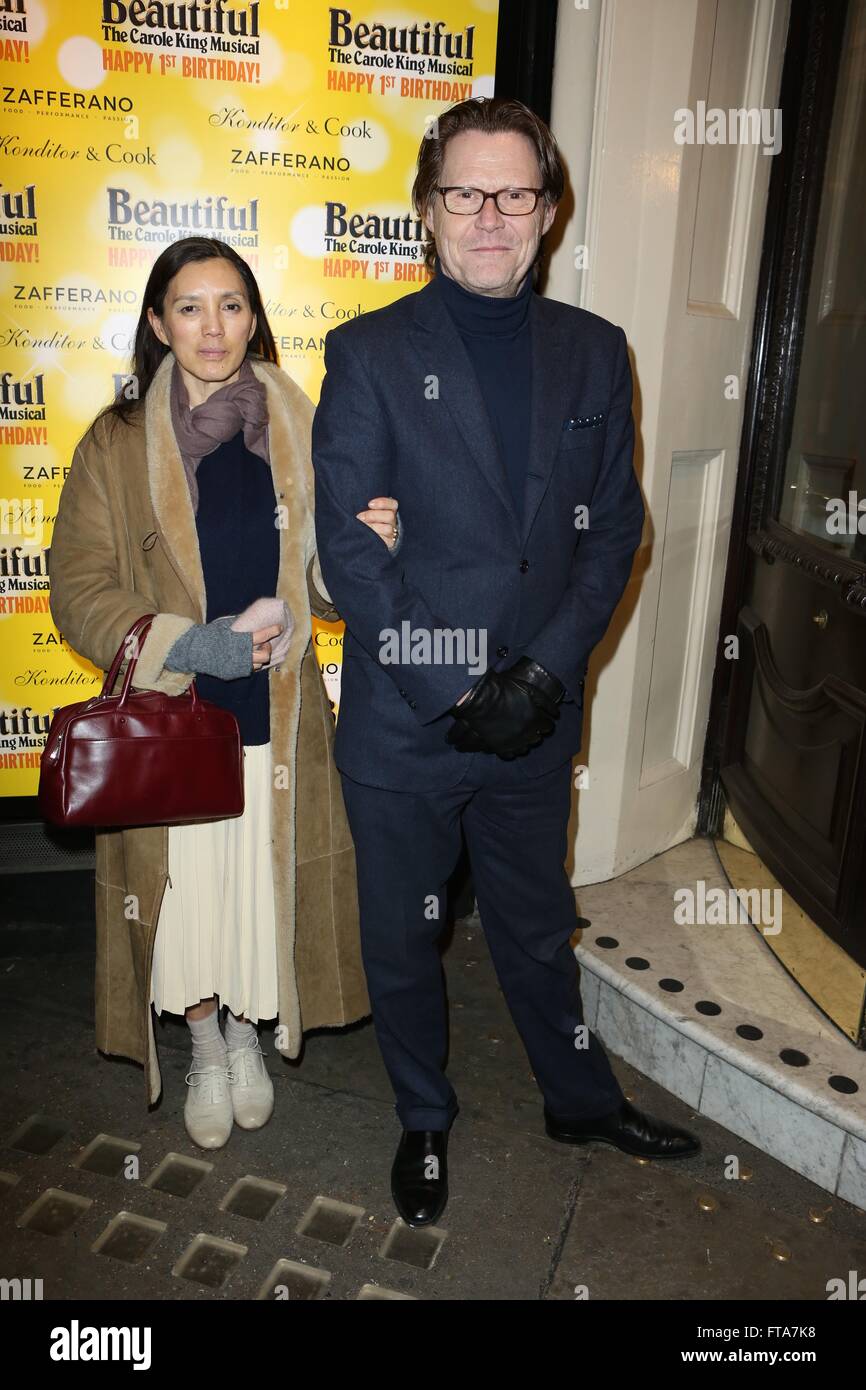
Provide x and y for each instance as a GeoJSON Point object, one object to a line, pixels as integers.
{"type": "Point", "coordinates": [496, 335]}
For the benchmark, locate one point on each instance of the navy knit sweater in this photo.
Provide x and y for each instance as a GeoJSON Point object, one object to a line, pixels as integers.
{"type": "Point", "coordinates": [240, 557]}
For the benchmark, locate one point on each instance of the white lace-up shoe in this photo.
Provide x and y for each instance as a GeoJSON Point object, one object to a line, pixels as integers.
{"type": "Point", "coordinates": [252, 1091]}
{"type": "Point", "coordinates": [208, 1113]}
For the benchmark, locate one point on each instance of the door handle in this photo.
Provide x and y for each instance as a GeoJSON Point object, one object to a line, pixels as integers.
{"type": "Point", "coordinates": [820, 618]}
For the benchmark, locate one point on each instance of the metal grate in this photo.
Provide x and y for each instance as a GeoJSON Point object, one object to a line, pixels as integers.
{"type": "Point", "coordinates": [32, 847]}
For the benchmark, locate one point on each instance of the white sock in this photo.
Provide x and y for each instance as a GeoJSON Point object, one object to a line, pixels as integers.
{"type": "Point", "coordinates": [238, 1034]}
{"type": "Point", "coordinates": [208, 1048]}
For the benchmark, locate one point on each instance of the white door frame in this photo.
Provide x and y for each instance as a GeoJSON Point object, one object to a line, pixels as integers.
{"type": "Point", "coordinates": [673, 236]}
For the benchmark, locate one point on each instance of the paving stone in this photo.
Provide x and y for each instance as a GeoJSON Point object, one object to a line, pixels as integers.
{"type": "Point", "coordinates": [289, 1280]}
{"type": "Point", "coordinates": [330, 1221]}
{"type": "Point", "coordinates": [646, 1232]}
{"type": "Point", "coordinates": [371, 1292]}
{"type": "Point", "coordinates": [107, 1155]}
{"type": "Point", "coordinates": [519, 1201]}
{"type": "Point", "coordinates": [417, 1246]}
{"type": "Point", "coordinates": [178, 1175]}
{"type": "Point", "coordinates": [37, 1134]}
{"type": "Point", "coordinates": [128, 1237]}
{"type": "Point", "coordinates": [209, 1260]}
{"type": "Point", "coordinates": [7, 1183]}
{"type": "Point", "coordinates": [254, 1198]}
{"type": "Point", "coordinates": [54, 1211]}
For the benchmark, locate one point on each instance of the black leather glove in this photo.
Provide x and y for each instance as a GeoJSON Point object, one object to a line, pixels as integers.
{"type": "Point", "coordinates": [507, 712]}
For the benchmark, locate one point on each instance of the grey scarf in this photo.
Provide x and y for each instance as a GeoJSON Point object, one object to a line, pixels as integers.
{"type": "Point", "coordinates": [200, 430]}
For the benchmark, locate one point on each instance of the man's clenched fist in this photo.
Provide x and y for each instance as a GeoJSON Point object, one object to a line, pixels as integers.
{"type": "Point", "coordinates": [507, 712]}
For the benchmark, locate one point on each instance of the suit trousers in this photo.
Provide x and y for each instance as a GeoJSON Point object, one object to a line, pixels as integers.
{"type": "Point", "coordinates": [407, 846]}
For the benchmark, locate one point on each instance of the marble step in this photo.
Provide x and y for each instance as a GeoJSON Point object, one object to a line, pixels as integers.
{"type": "Point", "coordinates": [709, 1013]}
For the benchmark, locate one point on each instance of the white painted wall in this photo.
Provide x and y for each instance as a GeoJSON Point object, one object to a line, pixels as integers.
{"type": "Point", "coordinates": [673, 234]}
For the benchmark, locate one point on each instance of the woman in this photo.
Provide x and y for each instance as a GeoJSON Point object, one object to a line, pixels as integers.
{"type": "Point", "coordinates": [194, 502]}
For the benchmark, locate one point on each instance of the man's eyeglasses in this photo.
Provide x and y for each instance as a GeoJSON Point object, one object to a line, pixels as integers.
{"type": "Point", "coordinates": [511, 202]}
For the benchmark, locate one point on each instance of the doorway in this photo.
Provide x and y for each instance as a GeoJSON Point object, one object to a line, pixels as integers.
{"type": "Point", "coordinates": [784, 786]}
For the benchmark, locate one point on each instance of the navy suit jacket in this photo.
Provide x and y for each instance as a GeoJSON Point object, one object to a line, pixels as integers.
{"type": "Point", "coordinates": [401, 414]}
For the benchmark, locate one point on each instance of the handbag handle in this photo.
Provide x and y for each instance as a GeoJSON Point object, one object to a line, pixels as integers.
{"type": "Point", "coordinates": [123, 651]}
{"type": "Point", "coordinates": [140, 626]}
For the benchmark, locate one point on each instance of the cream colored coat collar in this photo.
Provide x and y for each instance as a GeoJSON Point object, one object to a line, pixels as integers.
{"type": "Point", "coordinates": [169, 491]}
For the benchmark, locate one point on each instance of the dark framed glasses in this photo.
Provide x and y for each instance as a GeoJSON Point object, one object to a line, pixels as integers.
{"type": "Point", "coordinates": [511, 202]}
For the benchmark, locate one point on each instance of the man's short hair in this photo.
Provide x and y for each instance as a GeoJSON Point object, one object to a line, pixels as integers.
{"type": "Point", "coordinates": [492, 116]}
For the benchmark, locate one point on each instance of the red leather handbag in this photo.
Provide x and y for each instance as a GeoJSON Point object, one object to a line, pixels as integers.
{"type": "Point", "coordinates": [140, 757]}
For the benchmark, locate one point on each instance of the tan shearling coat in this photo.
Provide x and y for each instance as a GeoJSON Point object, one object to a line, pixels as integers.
{"type": "Point", "coordinates": [125, 544]}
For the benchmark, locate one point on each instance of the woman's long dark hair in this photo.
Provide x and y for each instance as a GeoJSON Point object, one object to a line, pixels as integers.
{"type": "Point", "coordinates": [148, 351]}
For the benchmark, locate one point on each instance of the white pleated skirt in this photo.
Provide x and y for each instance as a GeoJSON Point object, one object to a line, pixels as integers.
{"type": "Point", "coordinates": [216, 933]}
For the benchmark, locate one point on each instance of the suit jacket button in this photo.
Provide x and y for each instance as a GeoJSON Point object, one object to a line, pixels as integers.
{"type": "Point", "coordinates": [501, 651]}
{"type": "Point", "coordinates": [524, 566]}
{"type": "Point", "coordinates": [402, 692]}
{"type": "Point", "coordinates": [412, 704]}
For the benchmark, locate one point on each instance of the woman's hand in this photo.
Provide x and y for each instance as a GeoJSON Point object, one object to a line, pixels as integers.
{"type": "Point", "coordinates": [382, 518]}
{"type": "Point", "coordinates": [262, 638]}
{"type": "Point", "coordinates": [266, 618]}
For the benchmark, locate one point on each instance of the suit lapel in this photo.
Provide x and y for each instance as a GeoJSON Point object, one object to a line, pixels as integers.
{"type": "Point", "coordinates": [442, 354]}
{"type": "Point", "coordinates": [553, 370]}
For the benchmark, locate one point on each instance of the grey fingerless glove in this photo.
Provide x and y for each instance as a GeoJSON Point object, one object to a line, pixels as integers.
{"type": "Point", "coordinates": [213, 649]}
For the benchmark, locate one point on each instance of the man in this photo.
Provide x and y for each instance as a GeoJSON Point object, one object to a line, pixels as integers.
{"type": "Point", "coordinates": [502, 422]}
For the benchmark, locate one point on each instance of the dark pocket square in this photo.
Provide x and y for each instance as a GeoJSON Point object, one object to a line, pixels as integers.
{"type": "Point", "coordinates": [584, 422]}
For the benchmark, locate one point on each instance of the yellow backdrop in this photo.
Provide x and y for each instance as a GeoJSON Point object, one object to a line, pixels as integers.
{"type": "Point", "coordinates": [287, 127]}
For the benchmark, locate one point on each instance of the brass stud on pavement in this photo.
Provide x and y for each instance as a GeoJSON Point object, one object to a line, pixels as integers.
{"type": "Point", "coordinates": [707, 1202]}
{"type": "Point", "coordinates": [778, 1251]}
{"type": "Point", "coordinates": [817, 1215]}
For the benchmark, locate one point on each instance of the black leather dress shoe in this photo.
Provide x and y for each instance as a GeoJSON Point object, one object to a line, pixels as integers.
{"type": "Point", "coordinates": [419, 1175]}
{"type": "Point", "coordinates": [627, 1129]}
